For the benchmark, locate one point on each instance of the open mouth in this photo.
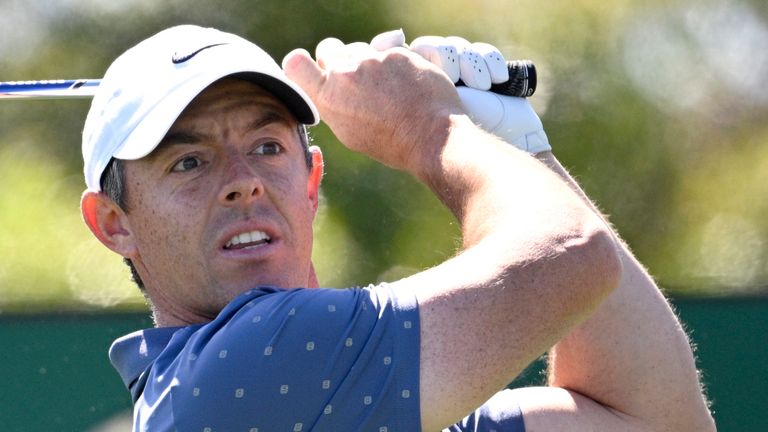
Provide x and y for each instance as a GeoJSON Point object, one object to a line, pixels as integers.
{"type": "Point", "coordinates": [247, 240]}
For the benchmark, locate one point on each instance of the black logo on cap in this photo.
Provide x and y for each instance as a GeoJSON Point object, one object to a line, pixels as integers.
{"type": "Point", "coordinates": [177, 59]}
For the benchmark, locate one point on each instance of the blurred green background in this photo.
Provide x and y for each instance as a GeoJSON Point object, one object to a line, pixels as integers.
{"type": "Point", "coordinates": [658, 108]}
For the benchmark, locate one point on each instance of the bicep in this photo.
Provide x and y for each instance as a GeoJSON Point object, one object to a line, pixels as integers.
{"type": "Point", "coordinates": [477, 336]}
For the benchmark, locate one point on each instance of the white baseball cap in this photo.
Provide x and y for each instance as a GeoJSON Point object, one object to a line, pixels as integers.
{"type": "Point", "coordinates": [145, 90]}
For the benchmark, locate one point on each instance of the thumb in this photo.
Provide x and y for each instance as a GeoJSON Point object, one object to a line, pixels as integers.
{"type": "Point", "coordinates": [301, 69]}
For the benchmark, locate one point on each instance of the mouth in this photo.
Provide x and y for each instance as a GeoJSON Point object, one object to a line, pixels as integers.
{"type": "Point", "coordinates": [247, 240]}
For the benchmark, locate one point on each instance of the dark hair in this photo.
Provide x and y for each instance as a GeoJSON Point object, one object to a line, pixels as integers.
{"type": "Point", "coordinates": [113, 186]}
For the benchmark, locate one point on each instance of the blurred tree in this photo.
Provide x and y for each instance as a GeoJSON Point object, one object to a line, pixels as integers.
{"type": "Point", "coordinates": [657, 108]}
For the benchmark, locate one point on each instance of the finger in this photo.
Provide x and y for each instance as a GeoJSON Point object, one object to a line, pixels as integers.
{"type": "Point", "coordinates": [357, 49]}
{"type": "Point", "coordinates": [474, 72]}
{"type": "Point", "coordinates": [484, 108]}
{"type": "Point", "coordinates": [440, 52]}
{"type": "Point", "coordinates": [387, 40]}
{"type": "Point", "coordinates": [494, 60]}
{"type": "Point", "coordinates": [301, 69]}
{"type": "Point", "coordinates": [326, 49]}
{"type": "Point", "coordinates": [332, 53]}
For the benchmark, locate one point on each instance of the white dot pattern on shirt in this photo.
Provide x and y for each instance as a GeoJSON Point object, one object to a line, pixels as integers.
{"type": "Point", "coordinates": [325, 384]}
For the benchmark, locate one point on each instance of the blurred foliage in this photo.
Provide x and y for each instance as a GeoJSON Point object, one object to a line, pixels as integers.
{"type": "Point", "coordinates": [657, 108]}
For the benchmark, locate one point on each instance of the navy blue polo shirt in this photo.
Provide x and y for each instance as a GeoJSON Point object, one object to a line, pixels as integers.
{"type": "Point", "coordinates": [287, 360]}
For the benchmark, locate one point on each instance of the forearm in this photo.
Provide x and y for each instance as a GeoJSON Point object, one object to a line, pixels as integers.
{"type": "Point", "coordinates": [632, 353]}
{"type": "Point", "coordinates": [527, 271]}
{"type": "Point", "coordinates": [492, 188]}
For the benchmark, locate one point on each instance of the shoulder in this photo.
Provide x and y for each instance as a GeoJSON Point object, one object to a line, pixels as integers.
{"type": "Point", "coordinates": [292, 308]}
{"type": "Point", "coordinates": [344, 356]}
{"type": "Point", "coordinates": [267, 326]}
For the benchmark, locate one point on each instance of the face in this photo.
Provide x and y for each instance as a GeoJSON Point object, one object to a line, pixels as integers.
{"type": "Point", "coordinates": [224, 204]}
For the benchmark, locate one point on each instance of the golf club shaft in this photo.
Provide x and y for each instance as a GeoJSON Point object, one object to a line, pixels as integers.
{"type": "Point", "coordinates": [521, 83]}
{"type": "Point", "coordinates": [49, 89]}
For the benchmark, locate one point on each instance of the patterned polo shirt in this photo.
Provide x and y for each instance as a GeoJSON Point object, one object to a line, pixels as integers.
{"type": "Point", "coordinates": [287, 360]}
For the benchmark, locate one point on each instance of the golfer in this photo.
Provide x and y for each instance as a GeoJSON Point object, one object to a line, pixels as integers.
{"type": "Point", "coordinates": [200, 174]}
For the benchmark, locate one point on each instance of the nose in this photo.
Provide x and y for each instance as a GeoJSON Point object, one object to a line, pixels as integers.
{"type": "Point", "coordinates": [241, 184]}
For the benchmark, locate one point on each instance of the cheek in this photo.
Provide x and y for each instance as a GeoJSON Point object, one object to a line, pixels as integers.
{"type": "Point", "coordinates": [161, 226]}
{"type": "Point", "coordinates": [302, 202]}
{"type": "Point", "coordinates": [291, 193]}
{"type": "Point", "coordinates": [161, 232]}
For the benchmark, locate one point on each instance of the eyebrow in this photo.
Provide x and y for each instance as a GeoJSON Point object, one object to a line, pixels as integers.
{"type": "Point", "coordinates": [269, 116]}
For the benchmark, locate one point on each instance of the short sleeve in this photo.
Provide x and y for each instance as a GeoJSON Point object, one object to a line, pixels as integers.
{"type": "Point", "coordinates": [298, 360]}
{"type": "Point", "coordinates": [500, 414]}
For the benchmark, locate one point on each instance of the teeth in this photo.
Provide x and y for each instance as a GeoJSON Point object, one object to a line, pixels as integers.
{"type": "Point", "coordinates": [248, 237]}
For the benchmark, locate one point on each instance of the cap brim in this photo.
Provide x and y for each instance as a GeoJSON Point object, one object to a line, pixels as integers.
{"type": "Point", "coordinates": [291, 95]}
{"type": "Point", "coordinates": [151, 130]}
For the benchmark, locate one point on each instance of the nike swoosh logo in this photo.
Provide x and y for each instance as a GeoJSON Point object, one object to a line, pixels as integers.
{"type": "Point", "coordinates": [177, 59]}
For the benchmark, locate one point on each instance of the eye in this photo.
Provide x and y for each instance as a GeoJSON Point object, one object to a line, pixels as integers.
{"type": "Point", "coordinates": [269, 148]}
{"type": "Point", "coordinates": [187, 163]}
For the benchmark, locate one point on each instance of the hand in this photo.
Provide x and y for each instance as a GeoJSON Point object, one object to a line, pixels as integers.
{"type": "Point", "coordinates": [389, 105]}
{"type": "Point", "coordinates": [510, 118]}
{"type": "Point", "coordinates": [478, 65]}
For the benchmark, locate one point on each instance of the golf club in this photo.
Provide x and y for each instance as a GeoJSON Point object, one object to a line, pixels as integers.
{"type": "Point", "coordinates": [521, 83]}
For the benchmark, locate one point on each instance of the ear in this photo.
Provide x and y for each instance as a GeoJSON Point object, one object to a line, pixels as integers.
{"type": "Point", "coordinates": [108, 222]}
{"type": "Point", "coordinates": [315, 176]}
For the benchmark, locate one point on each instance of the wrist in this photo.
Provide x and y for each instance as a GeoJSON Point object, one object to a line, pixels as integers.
{"type": "Point", "coordinates": [430, 152]}
{"type": "Point", "coordinates": [455, 170]}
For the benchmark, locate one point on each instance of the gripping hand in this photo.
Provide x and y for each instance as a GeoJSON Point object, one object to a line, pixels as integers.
{"type": "Point", "coordinates": [477, 66]}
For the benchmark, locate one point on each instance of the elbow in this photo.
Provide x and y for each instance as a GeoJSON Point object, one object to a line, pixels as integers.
{"type": "Point", "coordinates": [711, 426]}
{"type": "Point", "coordinates": [601, 267]}
{"type": "Point", "coordinates": [699, 420]}
{"type": "Point", "coordinates": [696, 423]}
{"type": "Point", "coordinates": [708, 423]}
{"type": "Point", "coordinates": [609, 261]}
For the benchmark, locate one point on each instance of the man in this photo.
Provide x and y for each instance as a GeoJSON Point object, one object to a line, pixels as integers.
{"type": "Point", "coordinates": [199, 173]}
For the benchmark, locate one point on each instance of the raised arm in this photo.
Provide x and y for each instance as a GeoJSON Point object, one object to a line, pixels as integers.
{"type": "Point", "coordinates": [628, 367]}
{"type": "Point", "coordinates": [537, 261]}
